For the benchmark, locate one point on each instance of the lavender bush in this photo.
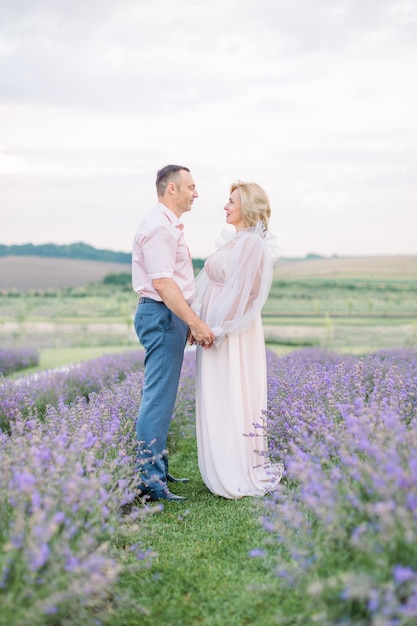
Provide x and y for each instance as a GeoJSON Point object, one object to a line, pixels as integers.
{"type": "Point", "coordinates": [63, 482]}
{"type": "Point", "coordinates": [344, 519]}
{"type": "Point", "coordinates": [15, 359]}
{"type": "Point", "coordinates": [18, 397]}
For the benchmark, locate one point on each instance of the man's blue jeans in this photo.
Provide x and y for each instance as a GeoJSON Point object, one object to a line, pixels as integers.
{"type": "Point", "coordinates": [163, 335]}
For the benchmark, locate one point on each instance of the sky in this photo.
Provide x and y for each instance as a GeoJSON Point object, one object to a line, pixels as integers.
{"type": "Point", "coordinates": [315, 100]}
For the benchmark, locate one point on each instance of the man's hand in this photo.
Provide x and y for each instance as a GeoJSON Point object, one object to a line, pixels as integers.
{"type": "Point", "coordinates": [172, 297]}
{"type": "Point", "coordinates": [201, 334]}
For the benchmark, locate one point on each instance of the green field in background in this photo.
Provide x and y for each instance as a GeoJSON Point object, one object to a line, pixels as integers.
{"type": "Point", "coordinates": [349, 314]}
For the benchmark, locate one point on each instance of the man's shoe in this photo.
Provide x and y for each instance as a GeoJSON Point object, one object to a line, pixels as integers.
{"type": "Point", "coordinates": [172, 479]}
{"type": "Point", "coordinates": [156, 496]}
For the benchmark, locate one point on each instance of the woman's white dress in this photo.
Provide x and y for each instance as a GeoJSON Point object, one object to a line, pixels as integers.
{"type": "Point", "coordinates": [231, 385]}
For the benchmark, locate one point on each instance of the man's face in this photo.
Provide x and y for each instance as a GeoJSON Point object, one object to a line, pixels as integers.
{"type": "Point", "coordinates": [186, 193]}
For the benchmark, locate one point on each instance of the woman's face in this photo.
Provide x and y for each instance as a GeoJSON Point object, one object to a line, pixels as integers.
{"type": "Point", "coordinates": [233, 213]}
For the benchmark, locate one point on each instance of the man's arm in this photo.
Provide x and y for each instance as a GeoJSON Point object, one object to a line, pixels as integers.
{"type": "Point", "coordinates": [172, 297]}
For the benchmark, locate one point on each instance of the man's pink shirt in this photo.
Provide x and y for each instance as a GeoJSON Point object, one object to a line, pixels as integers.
{"type": "Point", "coordinates": [160, 251]}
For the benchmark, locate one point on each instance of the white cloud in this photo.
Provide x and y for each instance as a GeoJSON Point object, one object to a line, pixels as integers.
{"type": "Point", "coordinates": [313, 99]}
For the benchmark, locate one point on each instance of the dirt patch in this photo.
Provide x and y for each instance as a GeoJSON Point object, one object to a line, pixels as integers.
{"type": "Point", "coordinates": [40, 274]}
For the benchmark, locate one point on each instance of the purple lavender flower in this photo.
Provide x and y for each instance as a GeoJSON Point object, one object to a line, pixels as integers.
{"type": "Point", "coordinates": [64, 473]}
{"type": "Point", "coordinates": [345, 429]}
{"type": "Point", "coordinates": [15, 359]}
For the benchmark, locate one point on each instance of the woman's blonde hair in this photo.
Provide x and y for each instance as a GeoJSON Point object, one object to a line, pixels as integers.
{"type": "Point", "coordinates": [254, 203]}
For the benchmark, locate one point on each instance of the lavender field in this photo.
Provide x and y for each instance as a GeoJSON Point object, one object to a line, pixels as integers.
{"type": "Point", "coordinates": [340, 531]}
{"type": "Point", "coordinates": [343, 525]}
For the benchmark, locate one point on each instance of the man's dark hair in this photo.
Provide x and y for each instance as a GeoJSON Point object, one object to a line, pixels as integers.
{"type": "Point", "coordinates": [166, 175]}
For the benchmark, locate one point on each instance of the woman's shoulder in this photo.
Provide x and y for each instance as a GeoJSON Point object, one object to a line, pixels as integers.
{"type": "Point", "coordinates": [251, 239]}
{"type": "Point", "coordinates": [259, 237]}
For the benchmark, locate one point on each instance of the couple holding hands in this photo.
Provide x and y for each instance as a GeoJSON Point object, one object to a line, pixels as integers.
{"type": "Point", "coordinates": [220, 312]}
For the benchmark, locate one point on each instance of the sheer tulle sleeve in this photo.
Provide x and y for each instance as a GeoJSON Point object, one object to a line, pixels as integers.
{"type": "Point", "coordinates": [247, 284]}
{"type": "Point", "coordinates": [201, 283]}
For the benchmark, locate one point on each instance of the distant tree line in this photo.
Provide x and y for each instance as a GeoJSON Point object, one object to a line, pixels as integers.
{"type": "Point", "coordinates": [71, 251]}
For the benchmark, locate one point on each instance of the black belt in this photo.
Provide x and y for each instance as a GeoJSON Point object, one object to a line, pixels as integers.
{"type": "Point", "coordinates": [149, 300]}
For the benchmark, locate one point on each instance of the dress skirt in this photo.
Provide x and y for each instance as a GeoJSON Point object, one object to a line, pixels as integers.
{"type": "Point", "coordinates": [231, 400]}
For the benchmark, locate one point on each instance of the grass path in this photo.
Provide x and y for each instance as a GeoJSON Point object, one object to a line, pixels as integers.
{"type": "Point", "coordinates": [202, 574]}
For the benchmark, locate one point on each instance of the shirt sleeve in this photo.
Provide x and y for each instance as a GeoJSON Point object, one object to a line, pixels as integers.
{"type": "Point", "coordinates": [159, 247]}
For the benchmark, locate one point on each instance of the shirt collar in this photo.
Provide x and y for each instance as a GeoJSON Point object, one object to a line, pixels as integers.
{"type": "Point", "coordinates": [170, 215]}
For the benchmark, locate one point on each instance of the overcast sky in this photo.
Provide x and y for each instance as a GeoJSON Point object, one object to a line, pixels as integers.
{"type": "Point", "coordinates": [315, 100]}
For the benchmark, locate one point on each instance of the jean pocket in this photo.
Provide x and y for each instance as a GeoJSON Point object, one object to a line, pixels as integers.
{"type": "Point", "coordinates": [151, 318]}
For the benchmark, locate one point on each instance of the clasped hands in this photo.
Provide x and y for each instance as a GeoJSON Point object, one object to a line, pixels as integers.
{"type": "Point", "coordinates": [205, 340]}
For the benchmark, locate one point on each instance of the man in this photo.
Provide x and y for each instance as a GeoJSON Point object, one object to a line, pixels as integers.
{"type": "Point", "coordinates": [163, 276]}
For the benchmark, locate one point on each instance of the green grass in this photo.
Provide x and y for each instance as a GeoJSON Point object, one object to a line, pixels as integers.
{"type": "Point", "coordinates": [52, 357]}
{"type": "Point", "coordinates": [58, 357]}
{"type": "Point", "coordinates": [202, 574]}
{"type": "Point", "coordinates": [342, 296]}
{"type": "Point", "coordinates": [321, 320]}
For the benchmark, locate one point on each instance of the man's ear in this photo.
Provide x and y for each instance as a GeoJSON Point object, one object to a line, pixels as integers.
{"type": "Point", "coordinates": [171, 188]}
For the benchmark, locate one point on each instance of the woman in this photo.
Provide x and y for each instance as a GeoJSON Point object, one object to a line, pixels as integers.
{"type": "Point", "coordinates": [231, 388]}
